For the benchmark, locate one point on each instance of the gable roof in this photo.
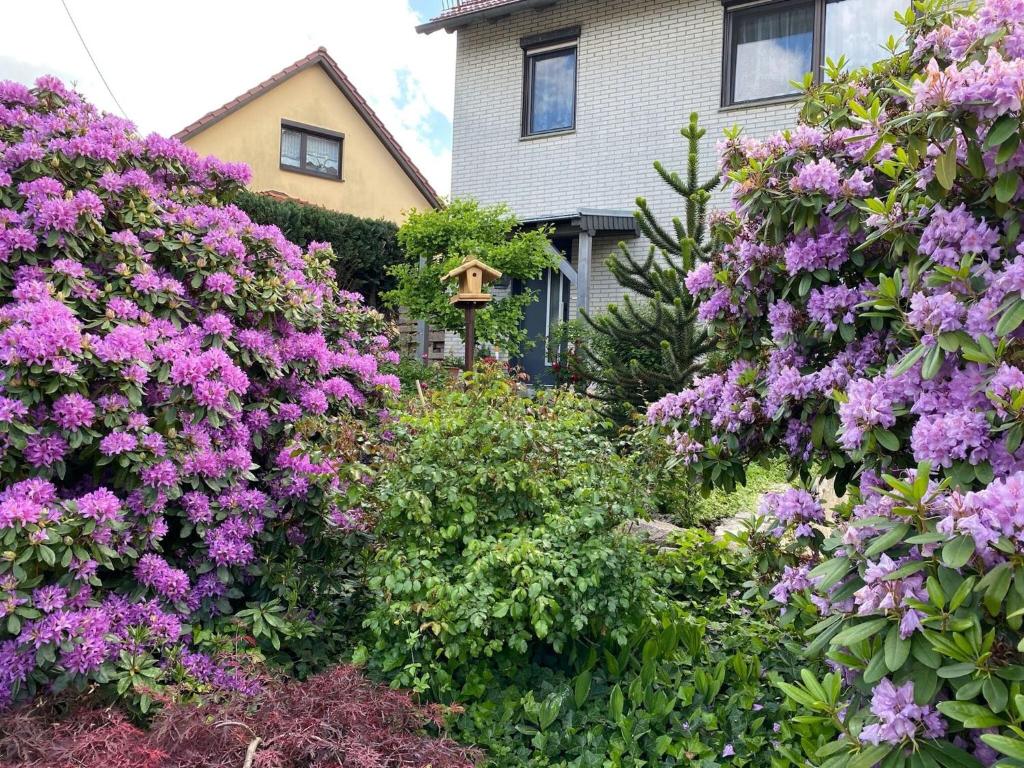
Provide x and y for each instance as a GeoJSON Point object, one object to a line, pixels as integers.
{"type": "Point", "coordinates": [462, 13]}
{"type": "Point", "coordinates": [489, 272]}
{"type": "Point", "coordinates": [322, 59]}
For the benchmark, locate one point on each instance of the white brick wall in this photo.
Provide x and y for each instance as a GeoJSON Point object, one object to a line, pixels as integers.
{"type": "Point", "coordinates": [644, 66]}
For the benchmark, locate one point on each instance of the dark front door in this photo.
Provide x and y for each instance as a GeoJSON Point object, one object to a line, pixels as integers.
{"type": "Point", "coordinates": [540, 319]}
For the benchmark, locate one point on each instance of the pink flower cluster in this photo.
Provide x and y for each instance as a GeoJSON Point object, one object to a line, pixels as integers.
{"type": "Point", "coordinates": [826, 308]}
{"type": "Point", "coordinates": [148, 434]}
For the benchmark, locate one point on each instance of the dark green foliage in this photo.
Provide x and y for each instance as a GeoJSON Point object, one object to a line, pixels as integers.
{"type": "Point", "coordinates": [435, 242]}
{"type": "Point", "coordinates": [504, 582]}
{"type": "Point", "coordinates": [498, 525]}
{"type": "Point", "coordinates": [694, 687]}
{"type": "Point", "coordinates": [364, 249]}
{"type": "Point", "coordinates": [651, 345]}
{"type": "Point", "coordinates": [431, 376]}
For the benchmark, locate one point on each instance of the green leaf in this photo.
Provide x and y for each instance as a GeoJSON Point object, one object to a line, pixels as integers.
{"type": "Point", "coordinates": [1001, 130]}
{"type": "Point", "coordinates": [1006, 186]}
{"type": "Point", "coordinates": [958, 551]}
{"type": "Point", "coordinates": [797, 694]}
{"type": "Point", "coordinates": [1011, 319]}
{"type": "Point", "coordinates": [908, 360]}
{"type": "Point", "coordinates": [858, 632]}
{"type": "Point", "coordinates": [870, 756]}
{"type": "Point", "coordinates": [886, 439]}
{"type": "Point", "coordinates": [582, 688]}
{"type": "Point", "coordinates": [896, 649]}
{"type": "Point", "coordinates": [887, 539]}
{"type": "Point", "coordinates": [615, 704]}
{"type": "Point", "coordinates": [830, 572]}
{"type": "Point", "coordinates": [970, 714]}
{"type": "Point", "coordinates": [953, 671]}
{"type": "Point", "coordinates": [932, 363]}
{"type": "Point", "coordinates": [945, 166]}
{"type": "Point", "coordinates": [995, 693]}
{"type": "Point", "coordinates": [1010, 747]}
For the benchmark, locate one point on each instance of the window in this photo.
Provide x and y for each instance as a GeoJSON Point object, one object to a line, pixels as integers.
{"type": "Point", "coordinates": [859, 28]}
{"type": "Point", "coordinates": [549, 84]}
{"type": "Point", "coordinates": [770, 44]}
{"type": "Point", "coordinates": [315, 151]}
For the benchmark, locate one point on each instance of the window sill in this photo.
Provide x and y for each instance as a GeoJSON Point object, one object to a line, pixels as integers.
{"type": "Point", "coordinates": [548, 135]}
{"type": "Point", "coordinates": [769, 102]}
{"type": "Point", "coordinates": [314, 174]}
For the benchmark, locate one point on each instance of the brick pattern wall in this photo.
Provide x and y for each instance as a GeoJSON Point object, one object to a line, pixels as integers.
{"type": "Point", "coordinates": [644, 66]}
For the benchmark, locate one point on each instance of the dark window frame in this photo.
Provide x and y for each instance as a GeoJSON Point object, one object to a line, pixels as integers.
{"type": "Point", "coordinates": [304, 132]}
{"type": "Point", "coordinates": [548, 45]}
{"type": "Point", "coordinates": [737, 9]}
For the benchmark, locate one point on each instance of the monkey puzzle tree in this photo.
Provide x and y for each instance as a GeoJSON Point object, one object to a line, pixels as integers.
{"type": "Point", "coordinates": [651, 343]}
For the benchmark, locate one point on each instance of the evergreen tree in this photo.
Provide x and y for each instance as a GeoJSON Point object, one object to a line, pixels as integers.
{"type": "Point", "coordinates": [651, 344]}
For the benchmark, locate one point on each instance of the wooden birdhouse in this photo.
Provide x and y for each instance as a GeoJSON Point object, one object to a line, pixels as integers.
{"type": "Point", "coordinates": [473, 276]}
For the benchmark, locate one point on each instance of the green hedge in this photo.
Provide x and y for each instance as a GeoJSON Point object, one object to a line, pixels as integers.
{"type": "Point", "coordinates": [363, 248]}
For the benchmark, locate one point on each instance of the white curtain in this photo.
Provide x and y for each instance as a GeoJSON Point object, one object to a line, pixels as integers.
{"type": "Point", "coordinates": [771, 48]}
{"type": "Point", "coordinates": [290, 144]}
{"type": "Point", "coordinates": [322, 154]}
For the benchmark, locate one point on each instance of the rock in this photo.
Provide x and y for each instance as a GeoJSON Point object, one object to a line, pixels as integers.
{"type": "Point", "coordinates": [656, 531]}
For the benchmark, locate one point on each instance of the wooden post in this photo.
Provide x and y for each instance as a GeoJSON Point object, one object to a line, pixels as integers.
{"type": "Point", "coordinates": [473, 275]}
{"type": "Point", "coordinates": [470, 334]}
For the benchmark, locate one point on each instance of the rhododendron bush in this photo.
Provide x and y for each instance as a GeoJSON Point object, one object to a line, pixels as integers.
{"type": "Point", "coordinates": [871, 290]}
{"type": "Point", "coordinates": [182, 395]}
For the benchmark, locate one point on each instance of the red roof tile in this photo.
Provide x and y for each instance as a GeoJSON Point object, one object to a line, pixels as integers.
{"type": "Point", "coordinates": [462, 7]}
{"type": "Point", "coordinates": [321, 58]}
{"type": "Point", "coordinates": [464, 12]}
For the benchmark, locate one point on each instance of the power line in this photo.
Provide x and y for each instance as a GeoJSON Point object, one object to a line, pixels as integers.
{"type": "Point", "coordinates": [93, 60]}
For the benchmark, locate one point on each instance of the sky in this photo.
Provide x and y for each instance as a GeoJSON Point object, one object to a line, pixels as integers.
{"type": "Point", "coordinates": [169, 63]}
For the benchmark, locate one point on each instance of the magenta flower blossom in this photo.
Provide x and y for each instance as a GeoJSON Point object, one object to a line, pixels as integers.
{"type": "Point", "coordinates": [126, 384]}
{"type": "Point", "coordinates": [118, 442]}
{"type": "Point", "coordinates": [73, 412]}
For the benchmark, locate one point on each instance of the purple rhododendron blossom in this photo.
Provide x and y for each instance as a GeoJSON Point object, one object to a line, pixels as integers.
{"type": "Point", "coordinates": [149, 468]}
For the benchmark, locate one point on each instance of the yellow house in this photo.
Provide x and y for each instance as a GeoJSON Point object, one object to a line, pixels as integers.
{"type": "Point", "coordinates": [308, 134]}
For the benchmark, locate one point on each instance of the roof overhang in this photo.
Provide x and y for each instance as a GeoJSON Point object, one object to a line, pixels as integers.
{"type": "Point", "coordinates": [454, 22]}
{"type": "Point", "coordinates": [593, 221]}
{"type": "Point", "coordinates": [320, 58]}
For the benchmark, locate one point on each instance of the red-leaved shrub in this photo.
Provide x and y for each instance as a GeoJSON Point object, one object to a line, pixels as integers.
{"type": "Point", "coordinates": [337, 718]}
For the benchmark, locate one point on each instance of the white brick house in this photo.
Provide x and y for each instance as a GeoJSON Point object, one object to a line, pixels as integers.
{"type": "Point", "coordinates": [561, 106]}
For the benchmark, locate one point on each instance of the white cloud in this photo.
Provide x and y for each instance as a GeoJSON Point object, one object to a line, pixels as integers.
{"type": "Point", "coordinates": [169, 63]}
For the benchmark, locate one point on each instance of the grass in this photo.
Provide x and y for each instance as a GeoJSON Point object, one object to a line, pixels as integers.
{"type": "Point", "coordinates": [720, 505]}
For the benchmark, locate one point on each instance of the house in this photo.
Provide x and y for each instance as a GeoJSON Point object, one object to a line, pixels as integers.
{"type": "Point", "coordinates": [561, 106]}
{"type": "Point", "coordinates": [309, 135]}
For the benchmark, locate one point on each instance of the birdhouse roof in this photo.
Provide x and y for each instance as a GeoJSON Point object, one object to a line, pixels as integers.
{"type": "Point", "coordinates": [489, 273]}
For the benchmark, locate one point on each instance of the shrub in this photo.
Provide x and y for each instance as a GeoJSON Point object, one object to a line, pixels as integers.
{"type": "Point", "coordinates": [335, 718]}
{"type": "Point", "coordinates": [430, 376]}
{"type": "Point", "coordinates": [180, 400]}
{"type": "Point", "coordinates": [445, 238]}
{"type": "Point", "coordinates": [497, 522]}
{"type": "Point", "coordinates": [504, 581]}
{"type": "Point", "coordinates": [363, 249]}
{"type": "Point", "coordinates": [873, 289]}
{"type": "Point", "coordinates": [697, 686]}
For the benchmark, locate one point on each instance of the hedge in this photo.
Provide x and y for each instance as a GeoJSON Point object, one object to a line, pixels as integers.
{"type": "Point", "coordinates": [363, 248]}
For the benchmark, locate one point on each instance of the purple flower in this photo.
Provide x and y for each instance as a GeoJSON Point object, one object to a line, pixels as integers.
{"type": "Point", "coordinates": [73, 412]}
{"type": "Point", "coordinates": [899, 718]}
{"type": "Point", "coordinates": [817, 176]}
{"type": "Point", "coordinates": [220, 282]}
{"type": "Point", "coordinates": [153, 571]}
{"type": "Point", "coordinates": [118, 442]}
{"type": "Point", "coordinates": [45, 450]}
{"type": "Point", "coordinates": [101, 505]}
